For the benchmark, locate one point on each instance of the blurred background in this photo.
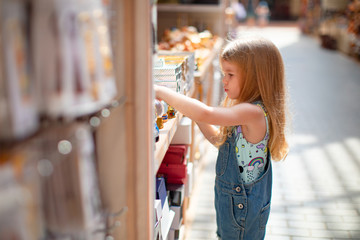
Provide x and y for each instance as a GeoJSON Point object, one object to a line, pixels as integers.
{"type": "Point", "coordinates": [86, 152]}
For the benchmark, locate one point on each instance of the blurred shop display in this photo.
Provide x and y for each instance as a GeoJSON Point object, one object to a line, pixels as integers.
{"type": "Point", "coordinates": [72, 57]}
{"type": "Point", "coordinates": [263, 13]}
{"type": "Point", "coordinates": [353, 14]}
{"type": "Point", "coordinates": [310, 15]}
{"type": "Point", "coordinates": [19, 110]}
{"type": "Point", "coordinates": [56, 62]}
{"type": "Point", "coordinates": [336, 23]}
{"type": "Point", "coordinates": [50, 187]}
{"type": "Point", "coordinates": [57, 83]}
{"type": "Point", "coordinates": [202, 14]}
{"type": "Point", "coordinates": [189, 39]}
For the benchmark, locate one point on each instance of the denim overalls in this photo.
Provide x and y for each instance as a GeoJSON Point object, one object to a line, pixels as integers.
{"type": "Point", "coordinates": [242, 210]}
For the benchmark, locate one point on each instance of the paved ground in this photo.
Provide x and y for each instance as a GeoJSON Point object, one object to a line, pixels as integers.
{"type": "Point", "coordinates": [316, 192]}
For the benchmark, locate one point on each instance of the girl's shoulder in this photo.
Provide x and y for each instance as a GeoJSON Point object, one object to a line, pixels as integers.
{"type": "Point", "coordinates": [262, 106]}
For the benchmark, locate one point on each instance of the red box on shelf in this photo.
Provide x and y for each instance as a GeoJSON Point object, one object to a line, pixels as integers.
{"type": "Point", "coordinates": [175, 154]}
{"type": "Point", "coordinates": [174, 164]}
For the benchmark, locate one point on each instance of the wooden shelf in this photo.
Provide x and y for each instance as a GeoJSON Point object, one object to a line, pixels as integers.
{"type": "Point", "coordinates": [165, 136]}
{"type": "Point", "coordinates": [190, 8]}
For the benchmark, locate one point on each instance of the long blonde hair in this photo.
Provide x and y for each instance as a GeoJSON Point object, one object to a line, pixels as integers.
{"type": "Point", "coordinates": [263, 79]}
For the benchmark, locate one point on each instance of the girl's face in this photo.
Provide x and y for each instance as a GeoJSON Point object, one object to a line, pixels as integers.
{"type": "Point", "coordinates": [232, 79]}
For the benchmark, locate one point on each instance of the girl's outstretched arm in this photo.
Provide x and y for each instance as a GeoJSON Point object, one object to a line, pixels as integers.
{"type": "Point", "coordinates": [240, 114]}
{"type": "Point", "coordinates": [190, 107]}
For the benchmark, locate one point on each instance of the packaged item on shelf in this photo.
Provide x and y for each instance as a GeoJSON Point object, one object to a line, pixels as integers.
{"type": "Point", "coordinates": [176, 194]}
{"type": "Point", "coordinates": [18, 111]}
{"type": "Point", "coordinates": [72, 57]}
{"type": "Point", "coordinates": [174, 165]}
{"type": "Point", "coordinates": [178, 210]}
{"type": "Point", "coordinates": [72, 204]}
{"type": "Point", "coordinates": [169, 76]}
{"type": "Point", "coordinates": [166, 219]}
{"type": "Point", "coordinates": [161, 190]}
{"type": "Point", "coordinates": [175, 154]}
{"type": "Point", "coordinates": [187, 63]}
{"type": "Point", "coordinates": [158, 210]}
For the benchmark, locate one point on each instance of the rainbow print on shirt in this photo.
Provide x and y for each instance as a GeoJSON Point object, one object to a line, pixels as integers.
{"type": "Point", "coordinates": [254, 161]}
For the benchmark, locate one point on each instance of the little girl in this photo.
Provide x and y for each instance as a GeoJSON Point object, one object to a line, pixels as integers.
{"type": "Point", "coordinates": [252, 131]}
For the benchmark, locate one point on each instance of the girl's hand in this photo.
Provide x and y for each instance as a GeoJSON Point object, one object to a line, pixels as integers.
{"type": "Point", "coordinates": [161, 92]}
{"type": "Point", "coordinates": [157, 91]}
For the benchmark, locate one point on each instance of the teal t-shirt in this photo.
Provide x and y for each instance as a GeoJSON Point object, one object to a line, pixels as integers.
{"type": "Point", "coordinates": [251, 157]}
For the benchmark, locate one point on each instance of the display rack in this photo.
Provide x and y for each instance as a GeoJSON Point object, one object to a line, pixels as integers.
{"type": "Point", "coordinates": [203, 76]}
{"type": "Point", "coordinates": [167, 134]}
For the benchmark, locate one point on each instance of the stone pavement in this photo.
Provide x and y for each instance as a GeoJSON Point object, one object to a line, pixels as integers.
{"type": "Point", "coordinates": [316, 190]}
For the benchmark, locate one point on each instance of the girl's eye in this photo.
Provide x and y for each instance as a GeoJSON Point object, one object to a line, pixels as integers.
{"type": "Point", "coordinates": [230, 74]}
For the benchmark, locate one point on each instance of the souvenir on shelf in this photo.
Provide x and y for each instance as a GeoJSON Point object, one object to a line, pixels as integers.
{"type": "Point", "coordinates": [156, 133]}
{"type": "Point", "coordinates": [165, 114]}
{"type": "Point", "coordinates": [159, 111]}
{"type": "Point", "coordinates": [72, 56]}
{"type": "Point", "coordinates": [171, 112]}
{"type": "Point", "coordinates": [161, 117]}
{"type": "Point", "coordinates": [18, 111]}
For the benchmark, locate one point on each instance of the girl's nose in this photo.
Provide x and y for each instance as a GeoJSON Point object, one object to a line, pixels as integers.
{"type": "Point", "coordinates": [224, 80]}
